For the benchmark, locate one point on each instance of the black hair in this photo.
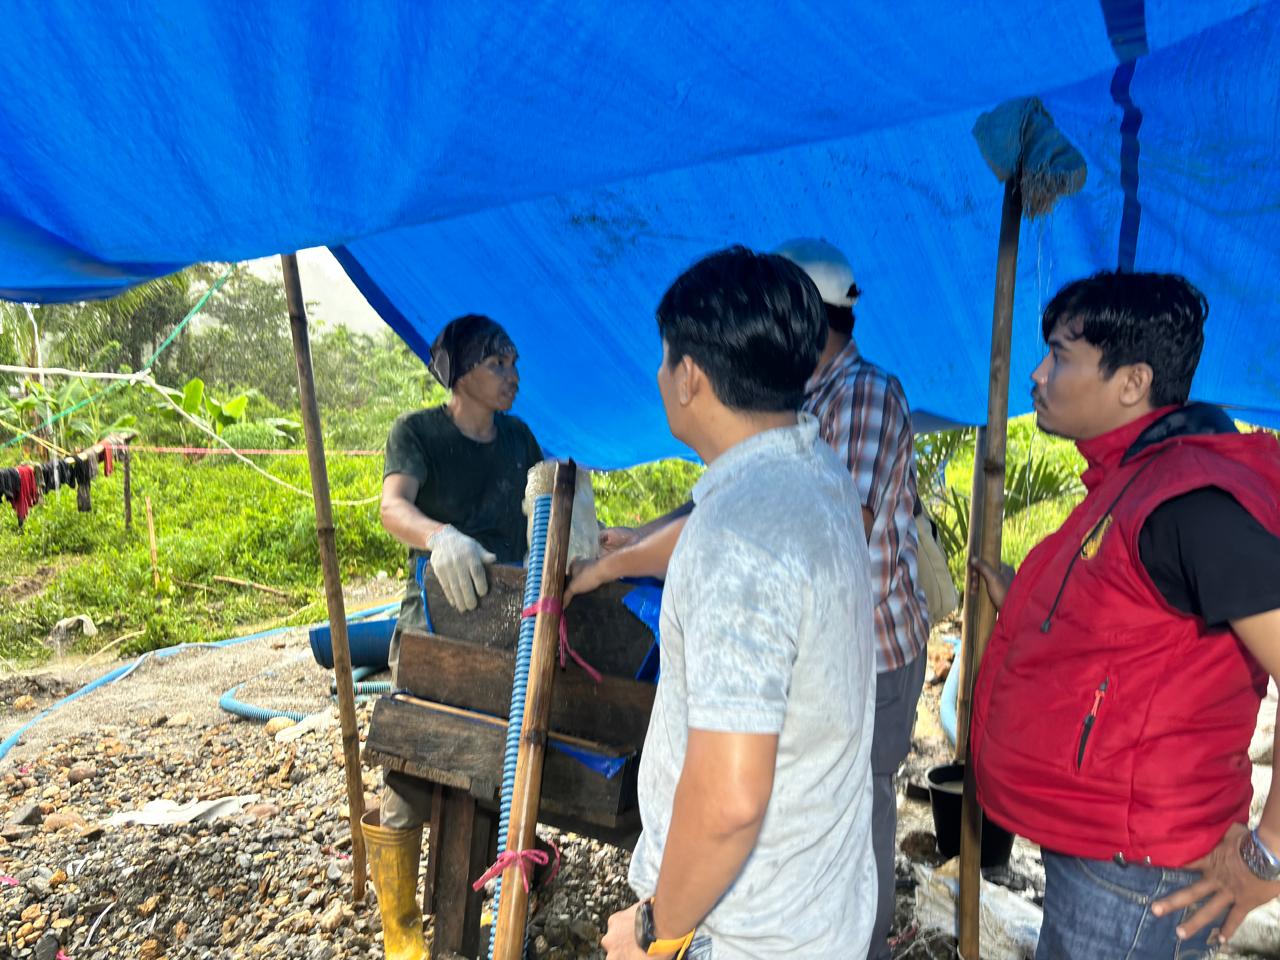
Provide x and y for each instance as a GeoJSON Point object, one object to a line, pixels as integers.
{"type": "Point", "coordinates": [752, 321]}
{"type": "Point", "coordinates": [839, 319]}
{"type": "Point", "coordinates": [1152, 318]}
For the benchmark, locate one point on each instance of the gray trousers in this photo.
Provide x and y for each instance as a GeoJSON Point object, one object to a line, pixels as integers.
{"type": "Point", "coordinates": [406, 800]}
{"type": "Point", "coordinates": [897, 694]}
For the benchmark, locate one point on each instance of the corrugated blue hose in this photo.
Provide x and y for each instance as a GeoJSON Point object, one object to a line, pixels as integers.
{"type": "Point", "coordinates": [520, 683]}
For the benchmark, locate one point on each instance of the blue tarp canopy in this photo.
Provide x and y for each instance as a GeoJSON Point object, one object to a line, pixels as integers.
{"type": "Point", "coordinates": [557, 164]}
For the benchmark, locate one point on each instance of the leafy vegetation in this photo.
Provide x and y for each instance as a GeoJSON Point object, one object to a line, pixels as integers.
{"type": "Point", "coordinates": [1042, 486]}
{"type": "Point", "coordinates": [231, 372]}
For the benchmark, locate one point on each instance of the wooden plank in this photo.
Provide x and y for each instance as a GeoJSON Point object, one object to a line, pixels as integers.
{"type": "Point", "coordinates": [463, 750]}
{"type": "Point", "coordinates": [466, 675]}
{"type": "Point", "coordinates": [433, 855]}
{"type": "Point", "coordinates": [608, 635]}
{"type": "Point", "coordinates": [457, 906]}
{"type": "Point", "coordinates": [484, 841]}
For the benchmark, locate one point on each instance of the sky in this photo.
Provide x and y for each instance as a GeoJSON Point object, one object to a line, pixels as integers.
{"type": "Point", "coordinates": [331, 297]}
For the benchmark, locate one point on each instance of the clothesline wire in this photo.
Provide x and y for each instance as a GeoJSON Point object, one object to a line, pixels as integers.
{"type": "Point", "coordinates": [48, 445]}
{"type": "Point", "coordinates": [67, 372]}
{"type": "Point", "coordinates": [143, 376]}
{"type": "Point", "coordinates": [137, 376]}
{"type": "Point", "coordinates": [148, 381]}
{"type": "Point", "coordinates": [232, 451]}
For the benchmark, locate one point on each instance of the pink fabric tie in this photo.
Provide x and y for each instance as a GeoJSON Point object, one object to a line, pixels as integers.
{"type": "Point", "coordinates": [551, 605]}
{"type": "Point", "coordinates": [524, 859]}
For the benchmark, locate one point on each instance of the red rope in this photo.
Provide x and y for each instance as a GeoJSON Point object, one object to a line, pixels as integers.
{"type": "Point", "coordinates": [223, 451]}
{"type": "Point", "coordinates": [552, 606]}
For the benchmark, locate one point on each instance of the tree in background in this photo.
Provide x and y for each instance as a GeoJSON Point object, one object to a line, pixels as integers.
{"type": "Point", "coordinates": [120, 333]}
{"type": "Point", "coordinates": [240, 341]}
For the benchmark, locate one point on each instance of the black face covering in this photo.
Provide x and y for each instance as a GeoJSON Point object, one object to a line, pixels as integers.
{"type": "Point", "coordinates": [464, 344]}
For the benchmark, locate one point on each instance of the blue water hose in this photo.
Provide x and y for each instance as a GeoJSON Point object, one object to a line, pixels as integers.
{"type": "Point", "coordinates": [520, 683]}
{"type": "Point", "coordinates": [122, 671]}
{"type": "Point", "coordinates": [248, 711]}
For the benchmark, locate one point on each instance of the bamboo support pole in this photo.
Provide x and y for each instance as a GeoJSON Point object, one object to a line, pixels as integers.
{"type": "Point", "coordinates": [509, 928]}
{"type": "Point", "coordinates": [329, 566]}
{"type": "Point", "coordinates": [986, 520]}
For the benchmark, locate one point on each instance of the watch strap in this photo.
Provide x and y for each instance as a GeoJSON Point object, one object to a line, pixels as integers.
{"type": "Point", "coordinates": [677, 945]}
{"type": "Point", "coordinates": [1262, 862]}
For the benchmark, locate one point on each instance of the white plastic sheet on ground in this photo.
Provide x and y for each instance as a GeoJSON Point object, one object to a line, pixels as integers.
{"type": "Point", "coordinates": [1009, 927]}
{"type": "Point", "coordinates": [166, 812]}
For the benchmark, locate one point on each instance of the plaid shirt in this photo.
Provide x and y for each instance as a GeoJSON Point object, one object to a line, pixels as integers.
{"type": "Point", "coordinates": [862, 413]}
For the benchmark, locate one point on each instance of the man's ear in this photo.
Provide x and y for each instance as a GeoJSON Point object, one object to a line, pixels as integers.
{"type": "Point", "coordinates": [1135, 384]}
{"type": "Point", "coordinates": [690, 380]}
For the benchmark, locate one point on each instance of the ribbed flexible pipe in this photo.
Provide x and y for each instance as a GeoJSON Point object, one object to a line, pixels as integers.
{"type": "Point", "coordinates": [520, 683]}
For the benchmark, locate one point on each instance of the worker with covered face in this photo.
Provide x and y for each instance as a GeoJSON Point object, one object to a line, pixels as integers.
{"type": "Point", "coordinates": [452, 488]}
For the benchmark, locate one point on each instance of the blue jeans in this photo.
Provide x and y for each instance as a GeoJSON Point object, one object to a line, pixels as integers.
{"type": "Point", "coordinates": [700, 949]}
{"type": "Point", "coordinates": [1100, 910]}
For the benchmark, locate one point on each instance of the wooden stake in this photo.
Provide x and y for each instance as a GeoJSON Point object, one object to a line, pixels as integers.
{"type": "Point", "coordinates": [128, 488]}
{"type": "Point", "coordinates": [151, 535]}
{"type": "Point", "coordinates": [509, 929]}
{"type": "Point", "coordinates": [329, 566]}
{"type": "Point", "coordinates": [275, 591]}
{"type": "Point", "coordinates": [986, 520]}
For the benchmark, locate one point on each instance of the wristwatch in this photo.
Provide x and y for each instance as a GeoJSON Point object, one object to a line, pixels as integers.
{"type": "Point", "coordinates": [1261, 861]}
{"type": "Point", "coordinates": [647, 938]}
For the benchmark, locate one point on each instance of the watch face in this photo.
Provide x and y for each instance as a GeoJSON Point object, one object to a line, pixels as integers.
{"type": "Point", "coordinates": [644, 925]}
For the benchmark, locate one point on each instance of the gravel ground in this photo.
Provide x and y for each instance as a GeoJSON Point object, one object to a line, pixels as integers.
{"type": "Point", "coordinates": [274, 878]}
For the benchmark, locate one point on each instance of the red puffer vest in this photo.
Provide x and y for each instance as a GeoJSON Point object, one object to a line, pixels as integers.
{"type": "Point", "coordinates": [1105, 722]}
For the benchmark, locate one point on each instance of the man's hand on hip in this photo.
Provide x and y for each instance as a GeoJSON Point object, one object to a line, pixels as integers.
{"type": "Point", "coordinates": [1228, 886]}
{"type": "Point", "coordinates": [458, 561]}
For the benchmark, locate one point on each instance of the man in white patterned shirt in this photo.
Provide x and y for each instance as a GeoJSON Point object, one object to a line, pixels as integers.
{"type": "Point", "coordinates": [755, 781]}
{"type": "Point", "coordinates": [863, 415]}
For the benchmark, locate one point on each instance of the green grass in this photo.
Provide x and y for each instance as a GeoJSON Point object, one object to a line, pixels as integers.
{"type": "Point", "coordinates": [211, 518]}
{"type": "Point", "coordinates": [218, 517]}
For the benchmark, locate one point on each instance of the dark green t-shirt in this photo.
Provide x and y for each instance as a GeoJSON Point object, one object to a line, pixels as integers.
{"type": "Point", "coordinates": [476, 487]}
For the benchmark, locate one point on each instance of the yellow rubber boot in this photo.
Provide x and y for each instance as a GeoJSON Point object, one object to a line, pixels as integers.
{"type": "Point", "coordinates": [393, 862]}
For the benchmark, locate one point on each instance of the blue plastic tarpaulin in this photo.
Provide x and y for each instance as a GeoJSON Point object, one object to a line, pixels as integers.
{"type": "Point", "coordinates": [556, 165]}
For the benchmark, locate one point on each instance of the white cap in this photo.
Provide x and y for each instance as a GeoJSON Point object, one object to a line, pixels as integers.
{"type": "Point", "coordinates": [827, 267]}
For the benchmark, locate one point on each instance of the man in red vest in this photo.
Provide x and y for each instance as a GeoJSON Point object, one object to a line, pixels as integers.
{"type": "Point", "coordinates": [1116, 701]}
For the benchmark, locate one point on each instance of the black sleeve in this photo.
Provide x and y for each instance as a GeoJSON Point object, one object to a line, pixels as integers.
{"type": "Point", "coordinates": [1209, 557]}
{"type": "Point", "coordinates": [405, 452]}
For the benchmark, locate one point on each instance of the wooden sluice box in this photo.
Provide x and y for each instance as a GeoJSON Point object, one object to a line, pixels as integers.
{"type": "Point", "coordinates": [448, 728]}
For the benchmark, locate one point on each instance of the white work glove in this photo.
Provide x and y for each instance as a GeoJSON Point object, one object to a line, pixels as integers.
{"type": "Point", "coordinates": [459, 561]}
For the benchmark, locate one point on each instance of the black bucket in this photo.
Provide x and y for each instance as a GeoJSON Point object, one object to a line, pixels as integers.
{"type": "Point", "coordinates": [946, 797]}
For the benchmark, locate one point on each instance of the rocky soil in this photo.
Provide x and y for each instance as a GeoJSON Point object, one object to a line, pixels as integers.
{"type": "Point", "coordinates": [269, 873]}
